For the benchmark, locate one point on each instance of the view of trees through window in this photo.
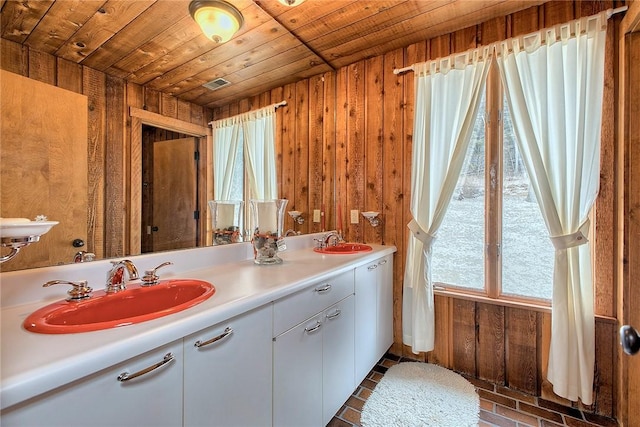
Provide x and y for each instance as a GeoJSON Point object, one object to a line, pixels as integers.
{"type": "Point", "coordinates": [526, 253]}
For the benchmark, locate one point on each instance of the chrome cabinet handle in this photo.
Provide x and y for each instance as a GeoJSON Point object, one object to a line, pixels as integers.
{"type": "Point", "coordinates": [322, 289]}
{"type": "Point", "coordinates": [125, 376]}
{"type": "Point", "coordinates": [334, 314]}
{"type": "Point", "coordinates": [313, 328]}
{"type": "Point", "coordinates": [372, 267]}
{"type": "Point", "coordinates": [383, 262]}
{"type": "Point", "coordinates": [227, 331]}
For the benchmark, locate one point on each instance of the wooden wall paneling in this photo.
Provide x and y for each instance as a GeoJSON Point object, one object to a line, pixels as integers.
{"type": "Point", "coordinates": [414, 54]}
{"type": "Point", "coordinates": [288, 144]}
{"type": "Point", "coordinates": [168, 105]}
{"type": "Point", "coordinates": [374, 164]}
{"type": "Point", "coordinates": [442, 353]}
{"type": "Point", "coordinates": [315, 156]}
{"type": "Point", "coordinates": [463, 331]}
{"type": "Point", "coordinates": [604, 379]}
{"type": "Point", "coordinates": [558, 12]}
{"type": "Point", "coordinates": [393, 166]}
{"type": "Point", "coordinates": [355, 147]}
{"type": "Point", "coordinates": [278, 94]}
{"type": "Point", "coordinates": [68, 75]}
{"type": "Point", "coordinates": [183, 111]}
{"type": "Point", "coordinates": [605, 212]}
{"type": "Point", "coordinates": [151, 100]}
{"type": "Point", "coordinates": [439, 46]}
{"type": "Point", "coordinates": [493, 30]}
{"type": "Point", "coordinates": [94, 87]}
{"type": "Point", "coordinates": [199, 114]}
{"type": "Point", "coordinates": [490, 324]}
{"type": "Point", "coordinates": [42, 67]}
{"type": "Point", "coordinates": [341, 151]}
{"type": "Point", "coordinates": [121, 218]}
{"type": "Point", "coordinates": [522, 349]}
{"type": "Point", "coordinates": [464, 39]}
{"type": "Point", "coordinates": [14, 57]}
{"type": "Point", "coordinates": [329, 151]}
{"type": "Point", "coordinates": [524, 22]}
{"type": "Point", "coordinates": [302, 151]}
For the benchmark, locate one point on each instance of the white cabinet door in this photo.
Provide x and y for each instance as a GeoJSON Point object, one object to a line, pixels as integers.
{"type": "Point", "coordinates": [337, 357]}
{"type": "Point", "coordinates": [297, 375]}
{"type": "Point", "coordinates": [152, 399]}
{"type": "Point", "coordinates": [374, 314]}
{"type": "Point", "coordinates": [366, 320]}
{"type": "Point", "coordinates": [227, 376]}
{"type": "Point", "coordinates": [385, 305]}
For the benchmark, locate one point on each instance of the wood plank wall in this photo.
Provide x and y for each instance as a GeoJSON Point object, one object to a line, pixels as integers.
{"type": "Point", "coordinates": [344, 140]}
{"type": "Point", "coordinates": [108, 155]}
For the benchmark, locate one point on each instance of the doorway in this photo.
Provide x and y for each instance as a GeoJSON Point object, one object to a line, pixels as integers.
{"type": "Point", "coordinates": [170, 184]}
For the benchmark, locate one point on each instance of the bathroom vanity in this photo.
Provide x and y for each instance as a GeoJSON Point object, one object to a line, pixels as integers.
{"type": "Point", "coordinates": [275, 345]}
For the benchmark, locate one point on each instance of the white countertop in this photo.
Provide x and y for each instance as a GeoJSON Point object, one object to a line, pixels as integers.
{"type": "Point", "coordinates": [33, 363]}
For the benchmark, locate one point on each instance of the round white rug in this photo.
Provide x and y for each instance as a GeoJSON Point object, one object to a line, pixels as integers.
{"type": "Point", "coordinates": [421, 394]}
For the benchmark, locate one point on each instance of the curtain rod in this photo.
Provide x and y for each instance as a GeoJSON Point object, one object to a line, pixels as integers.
{"type": "Point", "coordinates": [610, 13]}
{"type": "Point", "coordinates": [275, 107]}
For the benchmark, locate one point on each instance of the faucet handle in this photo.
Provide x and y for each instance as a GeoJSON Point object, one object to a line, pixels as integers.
{"type": "Point", "coordinates": [79, 291]}
{"type": "Point", "coordinates": [150, 277]}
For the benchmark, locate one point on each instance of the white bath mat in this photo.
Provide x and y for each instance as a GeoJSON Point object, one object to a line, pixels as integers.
{"type": "Point", "coordinates": [415, 394]}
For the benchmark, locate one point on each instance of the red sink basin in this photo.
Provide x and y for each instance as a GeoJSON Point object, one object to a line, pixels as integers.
{"type": "Point", "coordinates": [104, 311]}
{"type": "Point", "coordinates": [344, 248]}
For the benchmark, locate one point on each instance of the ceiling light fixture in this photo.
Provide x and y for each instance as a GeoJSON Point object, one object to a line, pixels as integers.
{"type": "Point", "coordinates": [291, 2]}
{"type": "Point", "coordinates": [218, 19]}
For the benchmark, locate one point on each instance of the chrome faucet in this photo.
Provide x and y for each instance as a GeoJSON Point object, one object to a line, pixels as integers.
{"type": "Point", "coordinates": [115, 276]}
{"type": "Point", "coordinates": [326, 239]}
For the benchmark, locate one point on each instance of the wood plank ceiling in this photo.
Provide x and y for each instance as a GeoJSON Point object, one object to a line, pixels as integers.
{"type": "Point", "coordinates": [157, 44]}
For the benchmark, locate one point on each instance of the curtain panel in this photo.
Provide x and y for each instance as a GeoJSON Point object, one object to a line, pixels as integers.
{"type": "Point", "coordinates": [447, 96]}
{"type": "Point", "coordinates": [256, 131]}
{"type": "Point", "coordinates": [226, 137]}
{"type": "Point", "coordinates": [554, 82]}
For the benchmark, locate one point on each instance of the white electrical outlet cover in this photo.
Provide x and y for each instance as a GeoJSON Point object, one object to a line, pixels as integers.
{"type": "Point", "coordinates": [316, 215]}
{"type": "Point", "coordinates": [354, 216]}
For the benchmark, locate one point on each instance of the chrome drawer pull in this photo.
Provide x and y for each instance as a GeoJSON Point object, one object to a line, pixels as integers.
{"type": "Point", "coordinates": [383, 262]}
{"type": "Point", "coordinates": [228, 331]}
{"type": "Point", "coordinates": [322, 289]}
{"type": "Point", "coordinates": [334, 314]}
{"type": "Point", "coordinates": [313, 328]}
{"type": "Point", "coordinates": [125, 376]}
{"type": "Point", "coordinates": [372, 267]}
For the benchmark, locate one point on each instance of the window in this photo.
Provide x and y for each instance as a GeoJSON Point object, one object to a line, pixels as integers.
{"type": "Point", "coordinates": [493, 238]}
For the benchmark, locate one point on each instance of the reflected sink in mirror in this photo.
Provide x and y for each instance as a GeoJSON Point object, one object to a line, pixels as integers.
{"type": "Point", "coordinates": [134, 305]}
{"type": "Point", "coordinates": [344, 248]}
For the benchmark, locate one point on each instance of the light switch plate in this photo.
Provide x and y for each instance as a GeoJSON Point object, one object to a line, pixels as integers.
{"type": "Point", "coordinates": [354, 216]}
{"type": "Point", "coordinates": [316, 215]}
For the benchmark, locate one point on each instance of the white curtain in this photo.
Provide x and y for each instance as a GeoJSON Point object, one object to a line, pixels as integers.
{"type": "Point", "coordinates": [226, 137]}
{"type": "Point", "coordinates": [260, 152]}
{"type": "Point", "coordinates": [447, 95]}
{"type": "Point", "coordinates": [554, 82]}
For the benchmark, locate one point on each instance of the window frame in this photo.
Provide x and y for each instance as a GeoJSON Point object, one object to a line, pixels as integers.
{"type": "Point", "coordinates": [493, 214]}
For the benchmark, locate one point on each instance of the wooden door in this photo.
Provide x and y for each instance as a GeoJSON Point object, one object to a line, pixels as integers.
{"type": "Point", "coordinates": [175, 184]}
{"type": "Point", "coordinates": [632, 222]}
{"type": "Point", "coordinates": [43, 162]}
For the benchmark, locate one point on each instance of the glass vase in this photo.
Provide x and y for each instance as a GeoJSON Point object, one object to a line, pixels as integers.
{"type": "Point", "coordinates": [267, 218]}
{"type": "Point", "coordinates": [226, 218]}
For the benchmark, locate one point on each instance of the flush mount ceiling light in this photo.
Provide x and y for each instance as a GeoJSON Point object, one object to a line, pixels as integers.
{"type": "Point", "coordinates": [291, 2]}
{"type": "Point", "coordinates": [218, 19]}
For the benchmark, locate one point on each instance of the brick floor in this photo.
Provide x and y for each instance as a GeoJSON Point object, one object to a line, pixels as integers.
{"type": "Point", "coordinates": [499, 406]}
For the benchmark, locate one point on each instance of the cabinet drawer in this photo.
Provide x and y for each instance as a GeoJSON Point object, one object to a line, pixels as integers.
{"type": "Point", "coordinates": [293, 309]}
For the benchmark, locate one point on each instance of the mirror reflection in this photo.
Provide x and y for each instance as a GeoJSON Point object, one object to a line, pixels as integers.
{"type": "Point", "coordinates": [170, 216]}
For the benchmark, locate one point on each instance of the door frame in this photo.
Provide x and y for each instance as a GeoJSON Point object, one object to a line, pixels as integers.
{"type": "Point", "coordinates": [134, 193]}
